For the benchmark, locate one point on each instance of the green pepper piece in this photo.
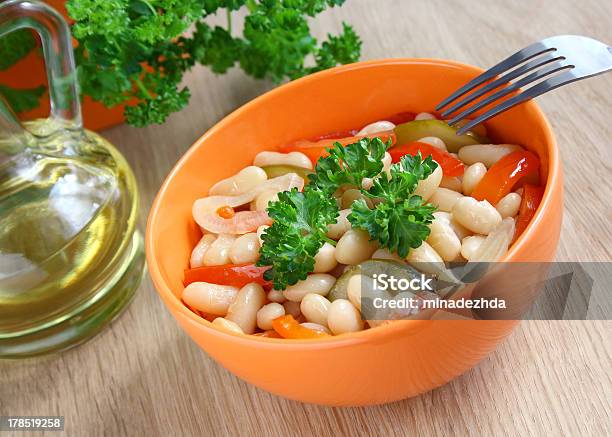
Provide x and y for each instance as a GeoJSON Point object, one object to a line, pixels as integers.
{"type": "Point", "coordinates": [417, 129]}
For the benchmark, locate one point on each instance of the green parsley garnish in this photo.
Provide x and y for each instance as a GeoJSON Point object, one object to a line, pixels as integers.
{"type": "Point", "coordinates": [399, 220]}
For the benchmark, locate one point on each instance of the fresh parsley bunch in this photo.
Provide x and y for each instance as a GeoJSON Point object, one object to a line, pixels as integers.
{"type": "Point", "coordinates": [136, 51]}
{"type": "Point", "coordinates": [399, 220]}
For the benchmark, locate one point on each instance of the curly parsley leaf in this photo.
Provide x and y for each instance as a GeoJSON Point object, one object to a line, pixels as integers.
{"type": "Point", "coordinates": [15, 46]}
{"type": "Point", "coordinates": [298, 232]}
{"type": "Point", "coordinates": [349, 164]}
{"type": "Point", "coordinates": [22, 99]}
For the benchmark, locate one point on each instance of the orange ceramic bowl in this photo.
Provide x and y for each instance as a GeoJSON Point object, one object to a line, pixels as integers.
{"type": "Point", "coordinates": [384, 364]}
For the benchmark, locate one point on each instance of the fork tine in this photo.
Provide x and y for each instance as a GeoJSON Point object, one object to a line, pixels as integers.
{"type": "Point", "coordinates": [546, 71]}
{"type": "Point", "coordinates": [528, 52]}
{"type": "Point", "coordinates": [534, 91]}
{"type": "Point", "coordinates": [532, 65]}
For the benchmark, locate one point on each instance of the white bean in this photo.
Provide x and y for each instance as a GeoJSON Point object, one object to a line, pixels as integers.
{"type": "Point", "coordinates": [426, 187]}
{"type": "Point", "coordinates": [460, 230]}
{"type": "Point", "coordinates": [350, 196]}
{"type": "Point", "coordinates": [338, 229]}
{"type": "Point", "coordinates": [325, 259]}
{"type": "Point", "coordinates": [488, 154]}
{"type": "Point", "coordinates": [218, 252]}
{"type": "Point", "coordinates": [316, 327]}
{"type": "Point", "coordinates": [478, 217]}
{"type": "Point", "coordinates": [434, 141]}
{"type": "Point", "coordinates": [509, 205]}
{"type": "Point", "coordinates": [425, 116]}
{"type": "Point", "coordinates": [227, 325]}
{"type": "Point", "coordinates": [197, 255]}
{"type": "Point", "coordinates": [247, 178]}
{"type": "Point", "coordinates": [353, 290]}
{"type": "Point", "coordinates": [319, 283]}
{"type": "Point", "coordinates": [276, 296]}
{"type": "Point", "coordinates": [443, 240]}
{"type": "Point", "coordinates": [379, 126]}
{"type": "Point", "coordinates": [385, 254]}
{"type": "Point", "coordinates": [354, 247]}
{"type": "Point", "coordinates": [472, 175]}
{"type": "Point", "coordinates": [425, 259]}
{"type": "Point", "coordinates": [452, 183]}
{"type": "Point", "coordinates": [315, 308]}
{"type": "Point", "coordinates": [387, 162]}
{"type": "Point", "coordinates": [343, 317]}
{"type": "Point", "coordinates": [268, 313]}
{"type": "Point", "coordinates": [445, 199]}
{"type": "Point", "coordinates": [292, 308]}
{"type": "Point", "coordinates": [296, 159]}
{"type": "Point", "coordinates": [245, 249]}
{"type": "Point", "coordinates": [470, 245]}
{"type": "Point", "coordinates": [263, 199]}
{"type": "Point", "coordinates": [243, 311]}
{"type": "Point", "coordinates": [209, 298]}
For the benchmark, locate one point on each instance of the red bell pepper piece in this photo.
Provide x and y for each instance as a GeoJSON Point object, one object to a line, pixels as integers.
{"type": "Point", "coordinates": [503, 176]}
{"type": "Point", "coordinates": [237, 275]}
{"type": "Point", "coordinates": [532, 197]}
{"type": "Point", "coordinates": [335, 135]}
{"type": "Point", "coordinates": [451, 166]}
{"type": "Point", "coordinates": [316, 150]}
{"type": "Point", "coordinates": [400, 118]}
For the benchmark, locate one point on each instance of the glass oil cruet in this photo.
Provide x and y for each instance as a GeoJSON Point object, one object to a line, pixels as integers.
{"type": "Point", "coordinates": [70, 255]}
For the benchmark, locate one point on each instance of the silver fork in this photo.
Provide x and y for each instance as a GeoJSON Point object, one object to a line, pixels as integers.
{"type": "Point", "coordinates": [565, 58]}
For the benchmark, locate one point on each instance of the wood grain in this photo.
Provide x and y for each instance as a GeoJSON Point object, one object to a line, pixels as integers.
{"type": "Point", "coordinates": [144, 376]}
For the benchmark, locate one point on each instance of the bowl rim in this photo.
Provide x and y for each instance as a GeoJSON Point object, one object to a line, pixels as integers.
{"type": "Point", "coordinates": [385, 330]}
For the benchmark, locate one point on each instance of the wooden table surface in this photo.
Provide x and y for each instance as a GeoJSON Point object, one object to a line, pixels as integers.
{"type": "Point", "coordinates": [143, 375]}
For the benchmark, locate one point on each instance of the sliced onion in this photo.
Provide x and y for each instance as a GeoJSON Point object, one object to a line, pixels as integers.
{"type": "Point", "coordinates": [496, 244]}
{"type": "Point", "coordinates": [210, 204]}
{"type": "Point", "coordinates": [241, 223]}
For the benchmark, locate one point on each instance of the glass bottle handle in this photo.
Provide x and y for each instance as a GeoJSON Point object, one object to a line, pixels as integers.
{"type": "Point", "coordinates": [59, 57]}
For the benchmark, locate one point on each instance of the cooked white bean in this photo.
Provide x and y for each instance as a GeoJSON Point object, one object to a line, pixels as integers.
{"type": "Point", "coordinates": [472, 175]}
{"type": "Point", "coordinates": [445, 199]}
{"type": "Point", "coordinates": [241, 182]}
{"type": "Point", "coordinates": [385, 254]}
{"type": "Point", "coordinates": [316, 327]}
{"type": "Point", "coordinates": [197, 255]}
{"type": "Point", "coordinates": [354, 247]}
{"type": "Point", "coordinates": [452, 183]}
{"type": "Point", "coordinates": [425, 116]}
{"type": "Point", "coordinates": [425, 259]}
{"type": "Point", "coordinates": [209, 298]}
{"type": "Point", "coordinates": [260, 231]}
{"type": "Point", "coordinates": [338, 229]}
{"type": "Point", "coordinates": [245, 249]}
{"type": "Point", "coordinates": [343, 317]}
{"type": "Point", "coordinates": [243, 310]}
{"type": "Point", "coordinates": [276, 296]}
{"type": "Point", "coordinates": [387, 162]}
{"type": "Point", "coordinates": [296, 159]}
{"type": "Point", "coordinates": [427, 186]}
{"type": "Point", "coordinates": [268, 313]}
{"type": "Point", "coordinates": [227, 325]}
{"type": "Point", "coordinates": [353, 290]}
{"type": "Point", "coordinates": [478, 217]}
{"type": "Point", "coordinates": [460, 230]}
{"type": "Point", "coordinates": [366, 183]}
{"type": "Point", "coordinates": [433, 141]}
{"type": "Point", "coordinates": [218, 252]}
{"type": "Point", "coordinates": [379, 126]}
{"type": "Point", "coordinates": [509, 205]}
{"type": "Point", "coordinates": [325, 259]}
{"type": "Point", "coordinates": [443, 239]}
{"type": "Point", "coordinates": [292, 308]}
{"type": "Point", "coordinates": [319, 283]}
{"type": "Point", "coordinates": [350, 196]}
{"type": "Point", "coordinates": [261, 201]}
{"type": "Point", "coordinates": [315, 308]}
{"type": "Point", "coordinates": [469, 245]}
{"type": "Point", "coordinates": [488, 154]}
